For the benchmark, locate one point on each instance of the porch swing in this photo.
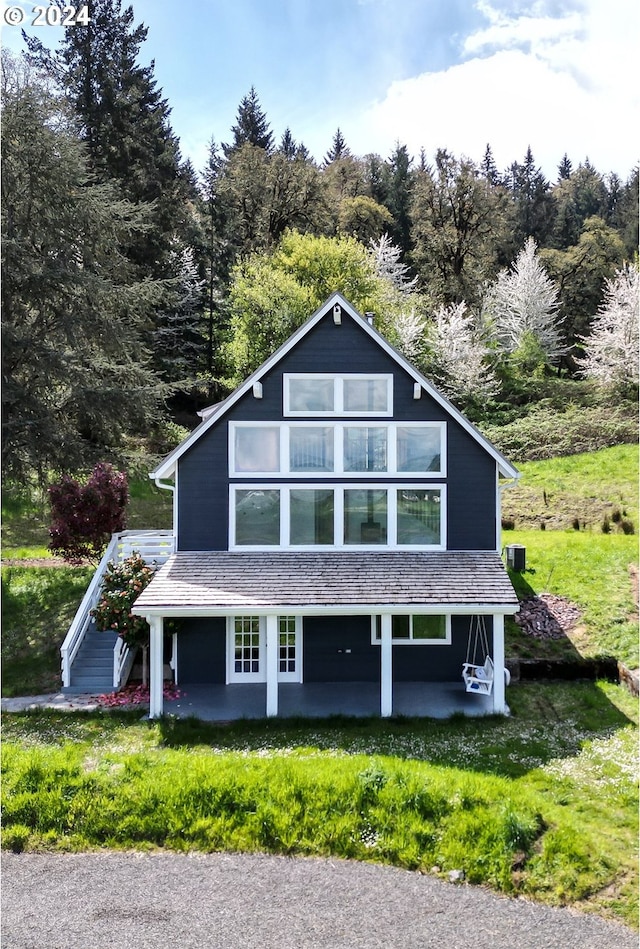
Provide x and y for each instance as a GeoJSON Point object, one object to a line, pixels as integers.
{"type": "Point", "coordinates": [478, 678]}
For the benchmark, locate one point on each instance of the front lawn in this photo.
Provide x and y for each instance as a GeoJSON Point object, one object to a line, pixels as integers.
{"type": "Point", "coordinates": [543, 804]}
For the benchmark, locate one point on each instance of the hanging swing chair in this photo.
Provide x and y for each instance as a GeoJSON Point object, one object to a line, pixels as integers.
{"type": "Point", "coordinates": [478, 678]}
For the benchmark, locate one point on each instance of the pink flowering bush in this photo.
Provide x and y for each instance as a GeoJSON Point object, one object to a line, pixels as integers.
{"type": "Point", "coordinates": [122, 585]}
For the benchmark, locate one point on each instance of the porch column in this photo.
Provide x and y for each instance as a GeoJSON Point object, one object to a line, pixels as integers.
{"type": "Point", "coordinates": [155, 666]}
{"type": "Point", "coordinates": [498, 664]}
{"type": "Point", "coordinates": [272, 665]}
{"type": "Point", "coordinates": [386, 671]}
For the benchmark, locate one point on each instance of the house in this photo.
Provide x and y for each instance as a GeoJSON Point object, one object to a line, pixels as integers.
{"type": "Point", "coordinates": [336, 520]}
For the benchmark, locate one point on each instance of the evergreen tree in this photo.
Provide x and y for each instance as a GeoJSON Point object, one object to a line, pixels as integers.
{"type": "Point", "coordinates": [338, 149]}
{"type": "Point", "coordinates": [76, 375]}
{"type": "Point", "coordinates": [398, 196]}
{"type": "Point", "coordinates": [252, 127]}
{"type": "Point", "coordinates": [533, 208]}
{"type": "Point", "coordinates": [489, 169]}
{"type": "Point", "coordinates": [124, 123]}
{"type": "Point", "coordinates": [218, 256]}
{"type": "Point", "coordinates": [288, 145]}
{"type": "Point", "coordinates": [564, 168]}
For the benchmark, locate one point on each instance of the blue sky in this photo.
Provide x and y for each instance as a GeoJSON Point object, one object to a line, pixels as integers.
{"type": "Point", "coordinates": [559, 75]}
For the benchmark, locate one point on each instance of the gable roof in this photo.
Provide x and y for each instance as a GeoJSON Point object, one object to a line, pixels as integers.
{"type": "Point", "coordinates": [210, 416]}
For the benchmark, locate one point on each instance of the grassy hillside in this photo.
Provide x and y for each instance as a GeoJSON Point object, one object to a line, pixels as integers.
{"type": "Point", "coordinates": [592, 491]}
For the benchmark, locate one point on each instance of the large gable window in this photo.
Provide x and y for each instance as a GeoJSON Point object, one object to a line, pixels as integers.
{"type": "Point", "coordinates": [344, 394]}
{"type": "Point", "coordinates": [419, 448]}
{"type": "Point", "coordinates": [256, 448]}
{"type": "Point", "coordinates": [316, 448]}
{"type": "Point", "coordinates": [337, 516]}
{"type": "Point", "coordinates": [311, 517]}
{"type": "Point", "coordinates": [257, 518]}
{"type": "Point", "coordinates": [310, 449]}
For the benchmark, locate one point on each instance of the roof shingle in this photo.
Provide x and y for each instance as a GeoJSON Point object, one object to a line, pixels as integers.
{"type": "Point", "coordinates": [216, 580]}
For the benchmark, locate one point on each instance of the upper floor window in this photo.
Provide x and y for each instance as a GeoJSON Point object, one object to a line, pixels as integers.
{"type": "Point", "coordinates": [342, 448]}
{"type": "Point", "coordinates": [337, 516]}
{"type": "Point", "coordinates": [346, 394]}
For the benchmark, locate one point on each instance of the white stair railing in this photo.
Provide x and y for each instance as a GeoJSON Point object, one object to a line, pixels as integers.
{"type": "Point", "coordinates": [155, 547]}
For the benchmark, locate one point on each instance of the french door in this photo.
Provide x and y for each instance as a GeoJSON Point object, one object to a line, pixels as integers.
{"type": "Point", "coordinates": [247, 649]}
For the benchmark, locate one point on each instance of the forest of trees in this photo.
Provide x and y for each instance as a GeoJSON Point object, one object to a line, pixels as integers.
{"type": "Point", "coordinates": [136, 287]}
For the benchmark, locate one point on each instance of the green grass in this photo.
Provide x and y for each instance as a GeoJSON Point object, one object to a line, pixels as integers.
{"type": "Point", "coordinates": [591, 570]}
{"type": "Point", "coordinates": [543, 804]}
{"type": "Point", "coordinates": [579, 490]}
{"type": "Point", "coordinates": [38, 604]}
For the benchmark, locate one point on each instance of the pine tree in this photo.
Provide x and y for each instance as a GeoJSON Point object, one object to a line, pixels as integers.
{"type": "Point", "coordinates": [533, 208]}
{"type": "Point", "coordinates": [252, 127]}
{"type": "Point", "coordinates": [338, 149]}
{"type": "Point", "coordinates": [488, 168]}
{"type": "Point", "coordinates": [288, 145]}
{"type": "Point", "coordinates": [564, 168]}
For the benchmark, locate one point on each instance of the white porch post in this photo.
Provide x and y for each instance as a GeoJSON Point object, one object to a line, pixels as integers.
{"type": "Point", "coordinates": [155, 666]}
{"type": "Point", "coordinates": [498, 664]}
{"type": "Point", "coordinates": [386, 671]}
{"type": "Point", "coordinates": [272, 665]}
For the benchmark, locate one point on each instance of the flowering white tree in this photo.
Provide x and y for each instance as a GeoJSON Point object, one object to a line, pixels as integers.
{"type": "Point", "coordinates": [611, 349]}
{"type": "Point", "coordinates": [457, 355]}
{"type": "Point", "coordinates": [386, 261]}
{"type": "Point", "coordinates": [522, 308]}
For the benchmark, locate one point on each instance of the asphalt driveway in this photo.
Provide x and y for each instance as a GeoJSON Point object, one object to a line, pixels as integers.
{"type": "Point", "coordinates": [236, 901]}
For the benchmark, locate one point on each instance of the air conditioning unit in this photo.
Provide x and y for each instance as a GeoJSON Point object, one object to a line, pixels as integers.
{"type": "Point", "coordinates": [516, 557]}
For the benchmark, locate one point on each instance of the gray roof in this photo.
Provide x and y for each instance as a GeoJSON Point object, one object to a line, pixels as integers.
{"type": "Point", "coordinates": [200, 582]}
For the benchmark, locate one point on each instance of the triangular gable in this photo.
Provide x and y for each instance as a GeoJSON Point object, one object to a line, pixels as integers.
{"type": "Point", "coordinates": [167, 467]}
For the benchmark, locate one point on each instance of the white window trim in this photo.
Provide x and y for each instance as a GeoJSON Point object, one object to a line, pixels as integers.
{"type": "Point", "coordinates": [338, 394]}
{"type": "Point", "coordinates": [338, 515]}
{"type": "Point", "coordinates": [297, 675]}
{"type": "Point", "coordinates": [414, 642]}
{"type": "Point", "coordinates": [234, 677]}
{"type": "Point", "coordinates": [338, 452]}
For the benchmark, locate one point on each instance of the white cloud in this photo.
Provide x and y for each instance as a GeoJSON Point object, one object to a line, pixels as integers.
{"type": "Point", "coordinates": [565, 84]}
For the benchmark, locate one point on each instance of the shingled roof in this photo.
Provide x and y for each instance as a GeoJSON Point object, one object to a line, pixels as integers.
{"type": "Point", "coordinates": [215, 582]}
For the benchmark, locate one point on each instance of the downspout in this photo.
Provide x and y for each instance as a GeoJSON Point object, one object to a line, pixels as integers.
{"type": "Point", "coordinates": [503, 487]}
{"type": "Point", "coordinates": [165, 486]}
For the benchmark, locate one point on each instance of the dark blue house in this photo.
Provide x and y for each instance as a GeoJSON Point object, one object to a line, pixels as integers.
{"type": "Point", "coordinates": [337, 521]}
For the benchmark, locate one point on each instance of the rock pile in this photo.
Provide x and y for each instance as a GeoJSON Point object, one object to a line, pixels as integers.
{"type": "Point", "coordinates": [547, 616]}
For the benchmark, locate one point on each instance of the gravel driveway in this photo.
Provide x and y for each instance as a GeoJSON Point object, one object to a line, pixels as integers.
{"type": "Point", "coordinates": [236, 901]}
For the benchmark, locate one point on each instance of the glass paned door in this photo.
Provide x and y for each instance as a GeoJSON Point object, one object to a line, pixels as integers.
{"type": "Point", "coordinates": [289, 649]}
{"type": "Point", "coordinates": [247, 649]}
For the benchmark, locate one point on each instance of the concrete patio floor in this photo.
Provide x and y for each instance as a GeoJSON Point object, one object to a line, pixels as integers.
{"type": "Point", "coordinates": [323, 699]}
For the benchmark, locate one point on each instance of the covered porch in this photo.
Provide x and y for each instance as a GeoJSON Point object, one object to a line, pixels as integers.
{"type": "Point", "coordinates": [266, 588]}
{"type": "Point", "coordinates": [227, 703]}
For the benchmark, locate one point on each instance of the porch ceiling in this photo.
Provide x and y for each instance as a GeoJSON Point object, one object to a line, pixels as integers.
{"type": "Point", "coordinates": [215, 582]}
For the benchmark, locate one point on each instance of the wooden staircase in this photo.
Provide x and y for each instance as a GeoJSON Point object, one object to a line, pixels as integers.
{"type": "Point", "coordinates": [93, 661]}
{"type": "Point", "coordinates": [92, 670]}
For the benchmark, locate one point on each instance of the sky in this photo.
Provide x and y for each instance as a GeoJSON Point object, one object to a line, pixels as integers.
{"type": "Point", "coordinates": [560, 76]}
